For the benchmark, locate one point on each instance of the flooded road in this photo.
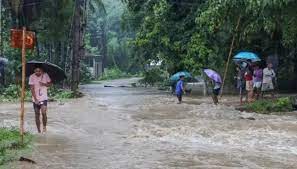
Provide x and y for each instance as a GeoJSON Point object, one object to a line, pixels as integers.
{"type": "Point", "coordinates": [135, 128]}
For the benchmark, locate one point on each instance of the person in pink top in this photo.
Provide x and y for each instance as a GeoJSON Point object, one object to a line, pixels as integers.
{"type": "Point", "coordinates": [39, 82]}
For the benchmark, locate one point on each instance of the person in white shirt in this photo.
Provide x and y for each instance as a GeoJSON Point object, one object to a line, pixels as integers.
{"type": "Point", "coordinates": [268, 75]}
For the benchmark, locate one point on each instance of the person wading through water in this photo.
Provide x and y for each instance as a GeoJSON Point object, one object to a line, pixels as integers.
{"type": "Point", "coordinates": [39, 82]}
{"type": "Point", "coordinates": [216, 92]}
{"type": "Point", "coordinates": [180, 89]}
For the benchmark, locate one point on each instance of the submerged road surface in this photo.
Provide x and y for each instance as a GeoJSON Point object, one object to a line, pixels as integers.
{"type": "Point", "coordinates": [135, 128]}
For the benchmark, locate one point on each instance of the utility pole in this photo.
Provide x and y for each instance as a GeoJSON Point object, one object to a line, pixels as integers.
{"type": "Point", "coordinates": [22, 113]}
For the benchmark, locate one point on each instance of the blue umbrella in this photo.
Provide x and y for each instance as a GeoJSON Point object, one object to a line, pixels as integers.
{"type": "Point", "coordinates": [177, 75]}
{"type": "Point", "coordinates": [246, 56]}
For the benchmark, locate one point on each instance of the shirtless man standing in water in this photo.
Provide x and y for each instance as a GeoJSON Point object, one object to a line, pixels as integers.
{"type": "Point", "coordinates": [39, 82]}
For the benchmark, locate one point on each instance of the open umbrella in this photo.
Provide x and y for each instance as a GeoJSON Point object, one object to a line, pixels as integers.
{"type": "Point", "coordinates": [177, 75]}
{"type": "Point", "coordinates": [3, 60]}
{"type": "Point", "coordinates": [213, 75]}
{"type": "Point", "coordinates": [247, 56]}
{"type": "Point", "coordinates": [55, 72]}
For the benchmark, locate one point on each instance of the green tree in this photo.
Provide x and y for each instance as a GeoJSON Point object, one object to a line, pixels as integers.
{"type": "Point", "coordinates": [194, 34]}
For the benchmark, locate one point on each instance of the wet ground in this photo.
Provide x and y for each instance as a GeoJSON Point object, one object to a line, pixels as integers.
{"type": "Point", "coordinates": [131, 128]}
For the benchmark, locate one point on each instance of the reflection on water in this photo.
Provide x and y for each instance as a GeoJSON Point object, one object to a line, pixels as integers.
{"type": "Point", "coordinates": [141, 128]}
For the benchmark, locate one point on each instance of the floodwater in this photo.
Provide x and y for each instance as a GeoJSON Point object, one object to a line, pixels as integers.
{"type": "Point", "coordinates": [136, 128]}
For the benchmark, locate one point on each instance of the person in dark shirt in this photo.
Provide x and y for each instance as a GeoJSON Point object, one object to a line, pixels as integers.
{"type": "Point", "coordinates": [216, 92]}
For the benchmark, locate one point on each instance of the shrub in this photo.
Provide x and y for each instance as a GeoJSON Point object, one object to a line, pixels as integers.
{"type": "Point", "coordinates": [283, 104]}
{"type": "Point", "coordinates": [85, 74]}
{"type": "Point", "coordinates": [153, 76]}
{"type": "Point", "coordinates": [60, 94]}
{"type": "Point", "coordinates": [13, 93]}
{"type": "Point", "coordinates": [114, 73]}
{"type": "Point", "coordinates": [267, 106]}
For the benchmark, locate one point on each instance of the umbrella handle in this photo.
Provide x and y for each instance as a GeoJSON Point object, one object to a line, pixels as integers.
{"type": "Point", "coordinates": [205, 81]}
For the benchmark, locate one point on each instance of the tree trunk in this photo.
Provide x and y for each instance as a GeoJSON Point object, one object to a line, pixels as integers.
{"type": "Point", "coordinates": [49, 51]}
{"type": "Point", "coordinates": [102, 44]}
{"type": "Point", "coordinates": [62, 54]}
{"type": "Point", "coordinates": [77, 43]}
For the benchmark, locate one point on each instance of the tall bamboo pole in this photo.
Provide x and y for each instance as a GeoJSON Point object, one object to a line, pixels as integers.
{"type": "Point", "coordinates": [22, 113]}
{"type": "Point", "coordinates": [230, 54]}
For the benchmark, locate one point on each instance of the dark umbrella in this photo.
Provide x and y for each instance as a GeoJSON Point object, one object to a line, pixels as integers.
{"type": "Point", "coordinates": [55, 72]}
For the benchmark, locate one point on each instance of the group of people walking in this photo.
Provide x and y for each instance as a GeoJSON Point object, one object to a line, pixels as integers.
{"type": "Point", "coordinates": [254, 80]}
{"type": "Point", "coordinates": [251, 79]}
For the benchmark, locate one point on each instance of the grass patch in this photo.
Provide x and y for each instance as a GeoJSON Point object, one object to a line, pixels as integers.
{"type": "Point", "coordinates": [10, 147]}
{"type": "Point", "coordinates": [279, 105]}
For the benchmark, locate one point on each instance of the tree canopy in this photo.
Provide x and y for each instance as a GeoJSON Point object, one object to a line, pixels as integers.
{"type": "Point", "coordinates": [180, 34]}
{"type": "Point", "coordinates": [192, 34]}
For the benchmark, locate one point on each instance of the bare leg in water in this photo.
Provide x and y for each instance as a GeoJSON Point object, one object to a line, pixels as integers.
{"type": "Point", "coordinates": [37, 117]}
{"type": "Point", "coordinates": [44, 117]}
{"type": "Point", "coordinates": [215, 99]}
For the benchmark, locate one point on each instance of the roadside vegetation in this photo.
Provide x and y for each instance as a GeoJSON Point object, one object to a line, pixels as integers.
{"type": "Point", "coordinates": [189, 35]}
{"type": "Point", "coordinates": [284, 104]}
{"type": "Point", "coordinates": [12, 93]}
{"type": "Point", "coordinates": [10, 147]}
{"type": "Point", "coordinates": [115, 73]}
{"type": "Point", "coordinates": [155, 77]}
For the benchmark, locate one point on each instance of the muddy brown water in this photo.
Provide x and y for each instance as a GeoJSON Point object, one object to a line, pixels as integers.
{"type": "Point", "coordinates": [136, 128]}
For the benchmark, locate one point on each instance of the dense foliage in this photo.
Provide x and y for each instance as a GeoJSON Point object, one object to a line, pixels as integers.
{"type": "Point", "coordinates": [193, 34]}
{"type": "Point", "coordinates": [59, 25]}
{"type": "Point", "coordinates": [130, 34]}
